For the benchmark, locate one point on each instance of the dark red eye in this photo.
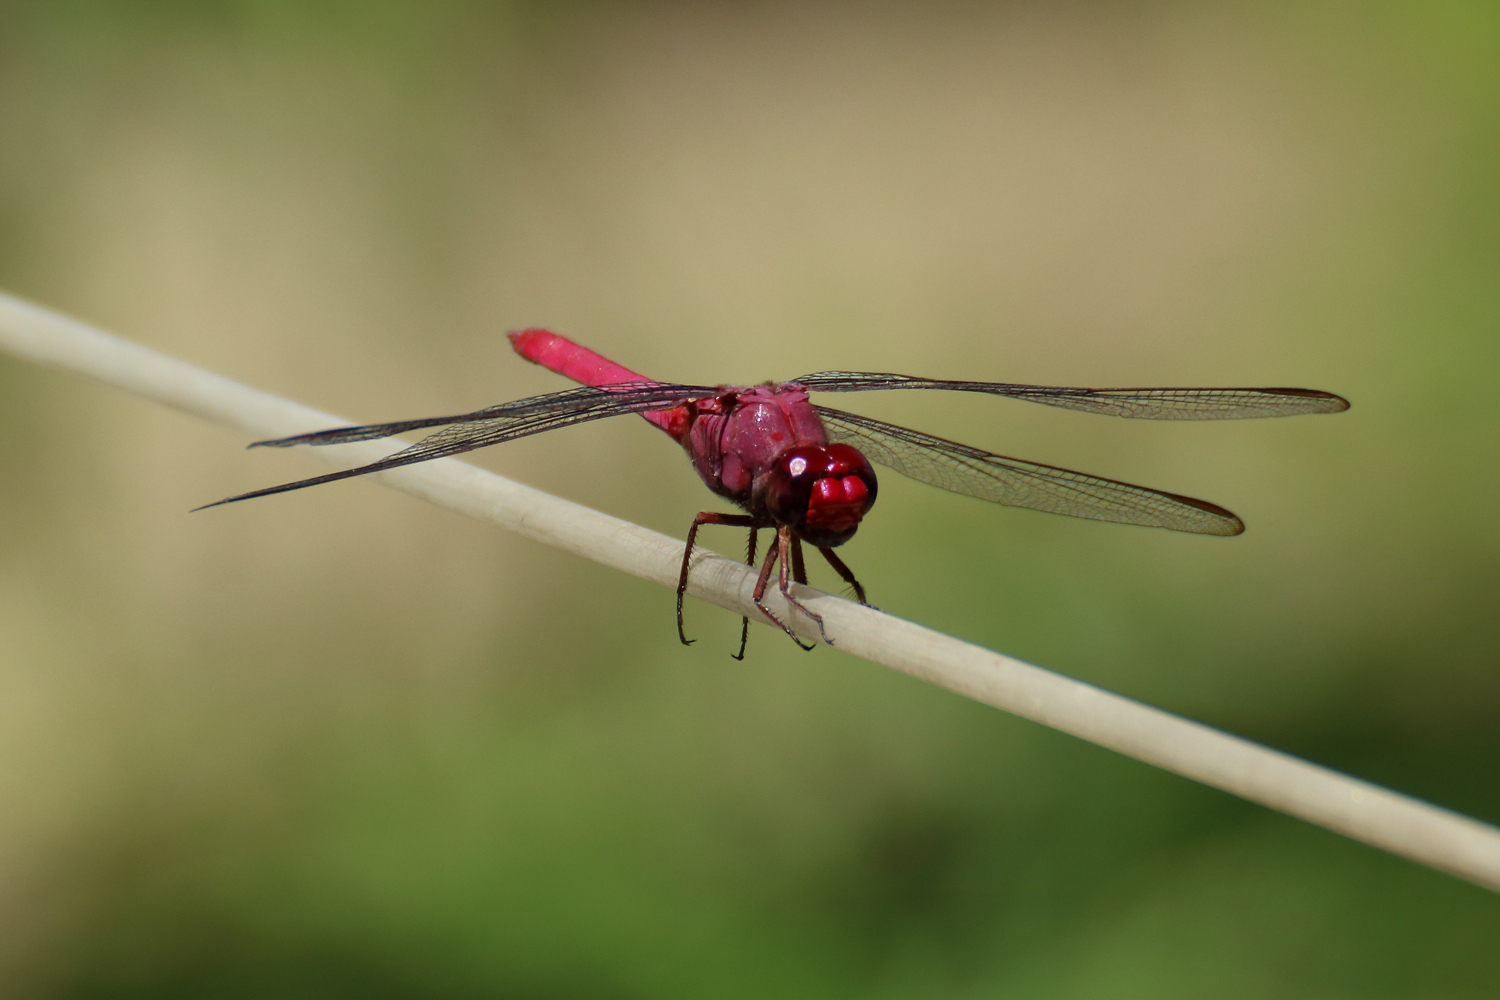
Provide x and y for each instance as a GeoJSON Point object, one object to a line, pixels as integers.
{"type": "Point", "coordinates": [821, 492]}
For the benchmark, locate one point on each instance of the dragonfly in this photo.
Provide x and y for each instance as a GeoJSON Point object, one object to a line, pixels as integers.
{"type": "Point", "coordinates": [803, 470]}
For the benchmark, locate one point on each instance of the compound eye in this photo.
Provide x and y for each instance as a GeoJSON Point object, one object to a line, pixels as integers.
{"type": "Point", "coordinates": [792, 482]}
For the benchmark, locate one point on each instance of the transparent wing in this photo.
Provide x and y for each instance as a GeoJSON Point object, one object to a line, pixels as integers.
{"type": "Point", "coordinates": [1016, 483]}
{"type": "Point", "coordinates": [492, 425]}
{"type": "Point", "coordinates": [1148, 404]}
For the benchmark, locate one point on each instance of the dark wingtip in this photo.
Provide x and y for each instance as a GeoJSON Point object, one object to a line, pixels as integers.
{"type": "Point", "coordinates": [1334, 403]}
{"type": "Point", "coordinates": [1229, 522]}
{"type": "Point", "coordinates": [285, 442]}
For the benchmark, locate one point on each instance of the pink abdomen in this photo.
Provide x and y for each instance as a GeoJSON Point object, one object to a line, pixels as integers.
{"type": "Point", "coordinates": [580, 364]}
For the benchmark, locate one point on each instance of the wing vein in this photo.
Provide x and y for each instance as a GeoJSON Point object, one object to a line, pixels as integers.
{"type": "Point", "coordinates": [1014, 482]}
{"type": "Point", "coordinates": [1187, 403]}
{"type": "Point", "coordinates": [490, 426]}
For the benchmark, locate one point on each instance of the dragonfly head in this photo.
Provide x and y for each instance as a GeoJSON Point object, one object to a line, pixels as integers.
{"type": "Point", "coordinates": [821, 492]}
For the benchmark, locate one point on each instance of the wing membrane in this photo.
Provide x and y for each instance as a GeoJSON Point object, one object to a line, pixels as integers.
{"type": "Point", "coordinates": [1016, 483]}
{"type": "Point", "coordinates": [482, 428]}
{"type": "Point", "coordinates": [1147, 404]}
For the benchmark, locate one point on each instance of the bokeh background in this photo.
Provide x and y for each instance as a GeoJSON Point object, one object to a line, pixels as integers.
{"type": "Point", "coordinates": [343, 744]}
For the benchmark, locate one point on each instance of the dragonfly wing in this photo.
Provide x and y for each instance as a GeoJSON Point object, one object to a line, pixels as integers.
{"type": "Point", "coordinates": [569, 401]}
{"type": "Point", "coordinates": [482, 428]}
{"type": "Point", "coordinates": [1016, 483]}
{"type": "Point", "coordinates": [1148, 404]}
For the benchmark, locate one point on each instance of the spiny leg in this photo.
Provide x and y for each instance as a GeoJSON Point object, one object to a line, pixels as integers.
{"type": "Point", "coordinates": [773, 552]}
{"type": "Point", "coordinates": [785, 542]}
{"type": "Point", "coordinates": [845, 572]}
{"type": "Point", "coordinates": [799, 574]}
{"type": "Point", "coordinates": [744, 621]}
{"type": "Point", "coordinates": [704, 517]}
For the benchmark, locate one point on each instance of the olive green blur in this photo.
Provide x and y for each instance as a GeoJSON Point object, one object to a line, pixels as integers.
{"type": "Point", "coordinates": [343, 744]}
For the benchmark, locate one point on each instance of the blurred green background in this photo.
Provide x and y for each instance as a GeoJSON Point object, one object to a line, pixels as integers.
{"type": "Point", "coordinates": [344, 744]}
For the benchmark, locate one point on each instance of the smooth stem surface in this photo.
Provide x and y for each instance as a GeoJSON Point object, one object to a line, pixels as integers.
{"type": "Point", "coordinates": [1379, 817]}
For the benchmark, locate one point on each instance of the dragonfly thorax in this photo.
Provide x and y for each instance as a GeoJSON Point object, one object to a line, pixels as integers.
{"type": "Point", "coordinates": [820, 491]}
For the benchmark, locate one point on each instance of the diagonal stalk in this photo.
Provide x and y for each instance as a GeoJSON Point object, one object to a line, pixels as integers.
{"type": "Point", "coordinates": [1363, 811]}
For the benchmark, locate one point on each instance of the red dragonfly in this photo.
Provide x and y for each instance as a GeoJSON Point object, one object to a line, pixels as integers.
{"type": "Point", "coordinates": [804, 470]}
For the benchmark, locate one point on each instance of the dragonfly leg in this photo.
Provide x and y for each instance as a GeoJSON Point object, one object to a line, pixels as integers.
{"type": "Point", "coordinates": [772, 554]}
{"type": "Point", "coordinates": [745, 622]}
{"type": "Point", "coordinates": [799, 575]}
{"type": "Point", "coordinates": [845, 572]}
{"type": "Point", "coordinates": [789, 567]}
{"type": "Point", "coordinates": [704, 517]}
